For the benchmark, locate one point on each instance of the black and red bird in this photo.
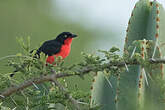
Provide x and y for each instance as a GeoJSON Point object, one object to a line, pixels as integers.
{"type": "Point", "coordinates": [60, 46]}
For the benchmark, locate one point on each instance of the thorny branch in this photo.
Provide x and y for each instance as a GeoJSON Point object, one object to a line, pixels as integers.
{"type": "Point", "coordinates": [38, 80]}
{"type": "Point", "coordinates": [50, 77]}
{"type": "Point", "coordinates": [73, 101]}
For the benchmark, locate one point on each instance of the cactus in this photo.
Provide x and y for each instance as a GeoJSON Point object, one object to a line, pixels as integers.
{"type": "Point", "coordinates": [139, 88]}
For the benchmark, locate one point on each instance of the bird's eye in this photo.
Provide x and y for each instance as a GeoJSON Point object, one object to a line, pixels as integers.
{"type": "Point", "coordinates": [65, 36]}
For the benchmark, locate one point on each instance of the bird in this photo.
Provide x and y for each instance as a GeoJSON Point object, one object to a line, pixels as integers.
{"type": "Point", "coordinates": [60, 46]}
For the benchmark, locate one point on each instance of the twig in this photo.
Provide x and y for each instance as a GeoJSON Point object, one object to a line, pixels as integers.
{"type": "Point", "coordinates": [13, 56]}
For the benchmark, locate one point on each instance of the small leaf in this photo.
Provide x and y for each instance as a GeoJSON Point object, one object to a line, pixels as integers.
{"type": "Point", "coordinates": [19, 54]}
{"type": "Point", "coordinates": [114, 49]}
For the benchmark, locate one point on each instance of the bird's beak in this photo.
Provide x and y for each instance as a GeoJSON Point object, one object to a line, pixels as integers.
{"type": "Point", "coordinates": [74, 35]}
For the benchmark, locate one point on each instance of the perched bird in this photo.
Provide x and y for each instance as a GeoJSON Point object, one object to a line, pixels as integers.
{"type": "Point", "coordinates": [60, 46]}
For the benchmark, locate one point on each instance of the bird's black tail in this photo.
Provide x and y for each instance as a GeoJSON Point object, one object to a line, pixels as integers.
{"type": "Point", "coordinates": [13, 73]}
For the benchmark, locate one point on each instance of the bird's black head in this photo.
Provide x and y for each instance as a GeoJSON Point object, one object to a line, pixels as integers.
{"type": "Point", "coordinates": [64, 35]}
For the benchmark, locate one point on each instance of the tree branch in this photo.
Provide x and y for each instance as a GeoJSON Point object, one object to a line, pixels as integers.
{"type": "Point", "coordinates": [30, 82]}
{"type": "Point", "coordinates": [49, 77]}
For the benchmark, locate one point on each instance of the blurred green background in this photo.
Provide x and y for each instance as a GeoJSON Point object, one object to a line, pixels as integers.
{"type": "Point", "coordinates": [44, 20]}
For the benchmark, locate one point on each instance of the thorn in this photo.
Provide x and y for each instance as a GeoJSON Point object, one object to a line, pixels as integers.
{"type": "Point", "coordinates": [126, 67]}
{"type": "Point", "coordinates": [145, 76]}
{"type": "Point", "coordinates": [133, 52]}
{"type": "Point", "coordinates": [91, 102]}
{"type": "Point", "coordinates": [2, 96]}
{"type": "Point", "coordinates": [23, 94]}
{"type": "Point", "coordinates": [35, 85]}
{"type": "Point", "coordinates": [154, 49]}
{"type": "Point", "coordinates": [108, 81]}
{"type": "Point", "coordinates": [14, 108]}
{"type": "Point", "coordinates": [13, 101]}
{"type": "Point", "coordinates": [82, 103]}
{"type": "Point", "coordinates": [150, 77]}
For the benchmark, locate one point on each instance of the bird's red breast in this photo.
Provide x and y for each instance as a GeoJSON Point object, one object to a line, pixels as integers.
{"type": "Point", "coordinates": [64, 51]}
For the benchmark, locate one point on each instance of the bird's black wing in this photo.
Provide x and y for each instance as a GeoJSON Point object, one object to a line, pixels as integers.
{"type": "Point", "coordinates": [50, 48]}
